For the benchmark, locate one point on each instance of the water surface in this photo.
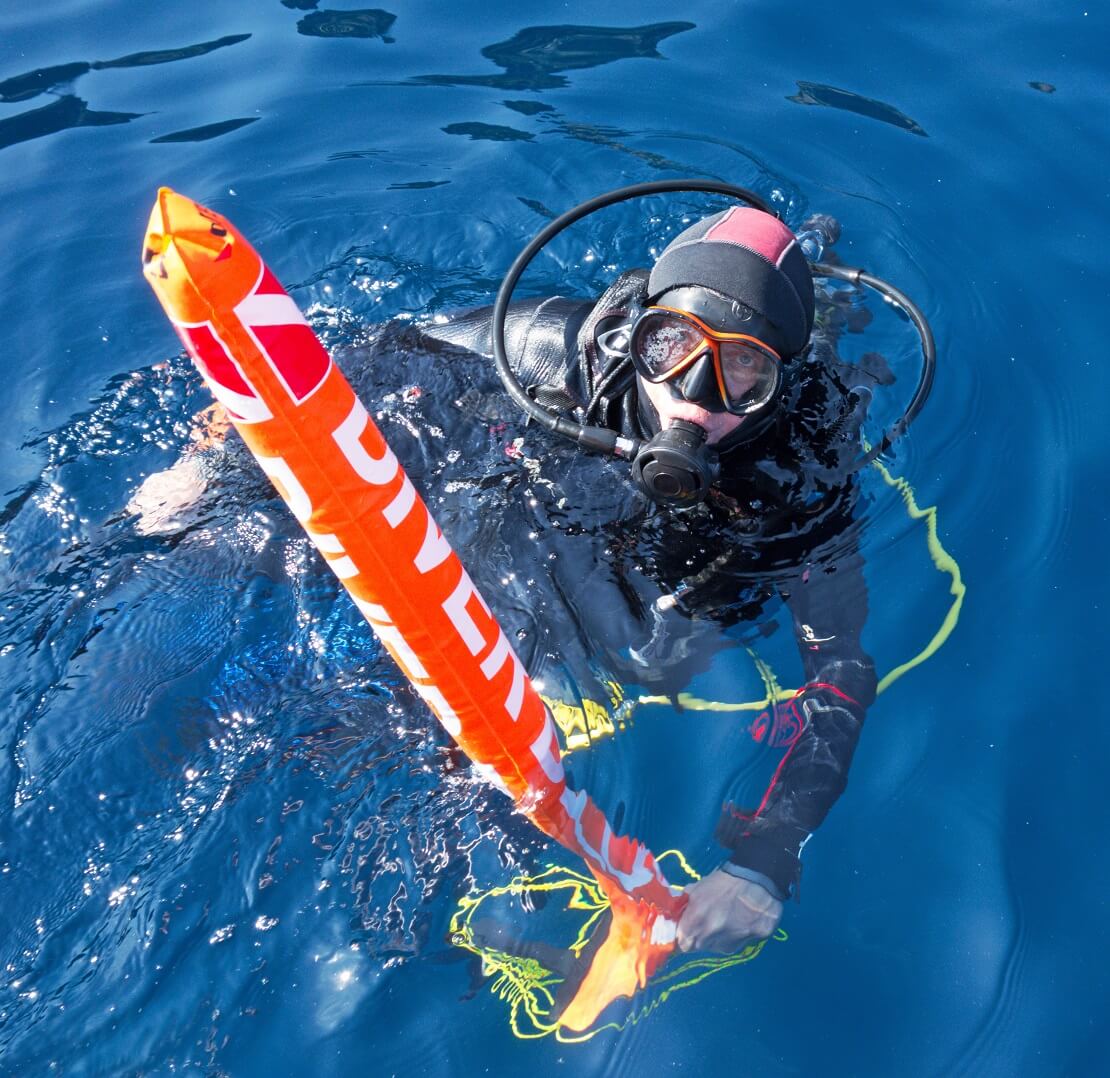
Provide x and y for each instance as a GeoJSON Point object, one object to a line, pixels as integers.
{"type": "Point", "coordinates": [231, 840]}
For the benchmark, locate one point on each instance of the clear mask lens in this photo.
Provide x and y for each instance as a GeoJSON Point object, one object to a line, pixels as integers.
{"type": "Point", "coordinates": [661, 342]}
{"type": "Point", "coordinates": [749, 374]}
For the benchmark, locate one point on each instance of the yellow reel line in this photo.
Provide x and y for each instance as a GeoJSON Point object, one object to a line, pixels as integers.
{"type": "Point", "coordinates": [944, 563]}
{"type": "Point", "coordinates": [529, 988]}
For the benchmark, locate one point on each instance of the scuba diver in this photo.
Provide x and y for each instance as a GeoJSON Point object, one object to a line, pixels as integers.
{"type": "Point", "coordinates": [743, 429]}
{"type": "Point", "coordinates": [715, 376]}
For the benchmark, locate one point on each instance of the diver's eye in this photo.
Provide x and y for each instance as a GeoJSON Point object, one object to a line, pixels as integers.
{"type": "Point", "coordinates": [748, 373]}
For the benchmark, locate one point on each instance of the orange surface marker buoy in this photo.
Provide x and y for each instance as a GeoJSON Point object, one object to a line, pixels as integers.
{"type": "Point", "coordinates": [328, 460]}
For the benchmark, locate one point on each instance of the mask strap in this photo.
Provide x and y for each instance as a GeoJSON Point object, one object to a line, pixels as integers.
{"type": "Point", "coordinates": [617, 301]}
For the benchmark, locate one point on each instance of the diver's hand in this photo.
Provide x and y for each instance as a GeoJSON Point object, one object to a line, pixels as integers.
{"type": "Point", "coordinates": [724, 912]}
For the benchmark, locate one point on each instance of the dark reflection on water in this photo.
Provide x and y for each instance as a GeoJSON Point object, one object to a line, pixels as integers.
{"type": "Point", "coordinates": [598, 135]}
{"type": "Point", "coordinates": [814, 93]}
{"type": "Point", "coordinates": [528, 108]}
{"type": "Point", "coordinates": [168, 56]}
{"type": "Point", "coordinates": [611, 137]}
{"type": "Point", "coordinates": [206, 131]}
{"type": "Point", "coordinates": [534, 57]}
{"type": "Point", "coordinates": [354, 155]}
{"type": "Point", "coordinates": [538, 207]}
{"type": "Point", "coordinates": [66, 112]}
{"type": "Point", "coordinates": [32, 83]}
{"type": "Point", "coordinates": [417, 185]}
{"type": "Point", "coordinates": [368, 23]}
{"type": "Point", "coordinates": [489, 132]}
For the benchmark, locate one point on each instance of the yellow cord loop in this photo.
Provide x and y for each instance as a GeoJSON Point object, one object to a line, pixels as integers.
{"type": "Point", "coordinates": [944, 563]}
{"type": "Point", "coordinates": [530, 989]}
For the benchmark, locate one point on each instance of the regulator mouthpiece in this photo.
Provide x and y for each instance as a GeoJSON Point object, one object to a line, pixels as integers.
{"type": "Point", "coordinates": [676, 467]}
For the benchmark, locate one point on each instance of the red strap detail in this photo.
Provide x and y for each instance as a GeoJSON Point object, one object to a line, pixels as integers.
{"type": "Point", "coordinates": [792, 702]}
{"type": "Point", "coordinates": [829, 688]}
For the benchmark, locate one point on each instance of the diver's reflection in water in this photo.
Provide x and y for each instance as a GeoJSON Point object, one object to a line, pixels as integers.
{"type": "Point", "coordinates": [534, 57]}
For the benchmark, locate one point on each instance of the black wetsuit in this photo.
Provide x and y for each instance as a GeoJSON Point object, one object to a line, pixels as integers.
{"type": "Point", "coordinates": [780, 520]}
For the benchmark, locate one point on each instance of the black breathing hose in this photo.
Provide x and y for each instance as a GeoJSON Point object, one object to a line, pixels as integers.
{"type": "Point", "coordinates": [597, 438]}
{"type": "Point", "coordinates": [606, 441]}
{"type": "Point", "coordinates": [928, 349]}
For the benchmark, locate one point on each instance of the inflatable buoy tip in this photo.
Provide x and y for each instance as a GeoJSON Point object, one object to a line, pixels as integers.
{"type": "Point", "coordinates": [639, 941]}
{"type": "Point", "coordinates": [187, 256]}
{"type": "Point", "coordinates": [183, 221]}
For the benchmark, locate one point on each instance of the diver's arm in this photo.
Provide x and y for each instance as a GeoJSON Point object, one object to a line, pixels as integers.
{"type": "Point", "coordinates": [829, 606]}
{"type": "Point", "coordinates": [540, 335]}
{"type": "Point", "coordinates": [724, 911]}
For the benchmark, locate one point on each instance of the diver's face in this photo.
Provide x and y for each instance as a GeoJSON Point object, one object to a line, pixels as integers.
{"type": "Point", "coordinates": [669, 407]}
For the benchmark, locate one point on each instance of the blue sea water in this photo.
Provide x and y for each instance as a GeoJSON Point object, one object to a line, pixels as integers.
{"type": "Point", "coordinates": [231, 842]}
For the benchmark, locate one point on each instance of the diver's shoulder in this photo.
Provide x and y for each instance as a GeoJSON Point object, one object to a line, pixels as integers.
{"type": "Point", "coordinates": [529, 323]}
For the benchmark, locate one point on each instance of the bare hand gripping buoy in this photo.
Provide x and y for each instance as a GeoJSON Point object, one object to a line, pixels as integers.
{"type": "Point", "coordinates": [329, 462]}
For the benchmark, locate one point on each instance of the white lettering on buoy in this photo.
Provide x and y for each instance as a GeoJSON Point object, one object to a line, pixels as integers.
{"type": "Point", "coordinates": [288, 486]}
{"type": "Point", "coordinates": [502, 653]}
{"type": "Point", "coordinates": [390, 636]}
{"type": "Point", "coordinates": [454, 606]}
{"type": "Point", "coordinates": [376, 470]}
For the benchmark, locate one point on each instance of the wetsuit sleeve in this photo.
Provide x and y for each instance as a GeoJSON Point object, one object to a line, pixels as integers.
{"type": "Point", "coordinates": [820, 726]}
{"type": "Point", "coordinates": [541, 340]}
